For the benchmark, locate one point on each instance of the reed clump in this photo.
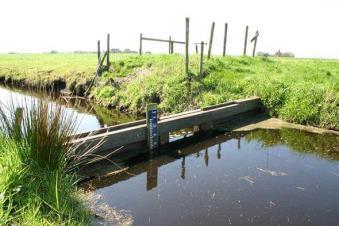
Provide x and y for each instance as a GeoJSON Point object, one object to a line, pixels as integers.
{"type": "Point", "coordinates": [37, 186]}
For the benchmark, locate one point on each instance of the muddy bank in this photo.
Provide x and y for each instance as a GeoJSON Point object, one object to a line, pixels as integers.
{"type": "Point", "coordinates": [54, 85]}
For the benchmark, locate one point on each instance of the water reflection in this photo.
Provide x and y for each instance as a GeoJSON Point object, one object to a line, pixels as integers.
{"type": "Point", "coordinates": [264, 177]}
{"type": "Point", "coordinates": [89, 116]}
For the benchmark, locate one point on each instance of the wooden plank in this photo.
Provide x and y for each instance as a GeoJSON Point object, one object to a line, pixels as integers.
{"type": "Point", "coordinates": [162, 40]}
{"type": "Point", "coordinates": [211, 41]}
{"type": "Point", "coordinates": [218, 105]}
{"type": "Point", "coordinates": [126, 125]}
{"type": "Point", "coordinates": [255, 36]}
{"type": "Point", "coordinates": [187, 121]}
{"type": "Point", "coordinates": [110, 129]}
{"type": "Point", "coordinates": [138, 133]}
{"type": "Point", "coordinates": [225, 40]}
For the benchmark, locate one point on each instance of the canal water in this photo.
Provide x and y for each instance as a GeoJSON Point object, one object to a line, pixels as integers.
{"type": "Point", "coordinates": [261, 177]}
{"type": "Point", "coordinates": [89, 116]}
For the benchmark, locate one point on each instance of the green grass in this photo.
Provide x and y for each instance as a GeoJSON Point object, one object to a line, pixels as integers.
{"type": "Point", "coordinates": [302, 91]}
{"type": "Point", "coordinates": [37, 186]}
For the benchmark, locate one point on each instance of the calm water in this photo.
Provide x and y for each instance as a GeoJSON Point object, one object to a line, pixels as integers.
{"type": "Point", "coordinates": [265, 177]}
{"type": "Point", "coordinates": [88, 115]}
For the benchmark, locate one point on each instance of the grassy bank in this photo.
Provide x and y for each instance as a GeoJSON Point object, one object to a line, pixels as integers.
{"type": "Point", "coordinates": [37, 186]}
{"type": "Point", "coordinates": [303, 91]}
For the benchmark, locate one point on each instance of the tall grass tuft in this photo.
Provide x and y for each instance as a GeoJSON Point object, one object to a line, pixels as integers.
{"type": "Point", "coordinates": [44, 127]}
{"type": "Point", "coordinates": [36, 187]}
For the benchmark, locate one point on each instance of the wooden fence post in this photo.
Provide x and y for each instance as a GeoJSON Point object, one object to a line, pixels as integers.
{"type": "Point", "coordinates": [196, 48]}
{"type": "Point", "coordinates": [225, 40]}
{"type": "Point", "coordinates": [245, 44]}
{"type": "Point", "coordinates": [186, 46]}
{"type": "Point", "coordinates": [211, 41]}
{"type": "Point", "coordinates": [201, 56]}
{"type": "Point", "coordinates": [108, 50]}
{"type": "Point", "coordinates": [98, 46]}
{"type": "Point", "coordinates": [170, 45]}
{"type": "Point", "coordinates": [140, 45]}
{"type": "Point", "coordinates": [255, 43]}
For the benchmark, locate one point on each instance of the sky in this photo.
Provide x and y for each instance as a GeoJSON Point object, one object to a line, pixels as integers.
{"type": "Point", "coordinates": [308, 28]}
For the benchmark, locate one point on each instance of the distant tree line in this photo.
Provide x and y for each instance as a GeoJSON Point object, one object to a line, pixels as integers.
{"type": "Point", "coordinates": [116, 50]}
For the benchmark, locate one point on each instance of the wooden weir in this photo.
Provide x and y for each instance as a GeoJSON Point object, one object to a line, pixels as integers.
{"type": "Point", "coordinates": [136, 132]}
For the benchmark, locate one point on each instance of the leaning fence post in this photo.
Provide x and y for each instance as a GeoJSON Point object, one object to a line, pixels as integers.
{"type": "Point", "coordinates": [254, 47]}
{"type": "Point", "coordinates": [211, 41]}
{"type": "Point", "coordinates": [98, 46]}
{"type": "Point", "coordinates": [255, 42]}
{"type": "Point", "coordinates": [245, 44]}
{"type": "Point", "coordinates": [225, 40]}
{"type": "Point", "coordinates": [140, 45]}
{"type": "Point", "coordinates": [186, 46]}
{"type": "Point", "coordinates": [152, 126]}
{"type": "Point", "coordinates": [108, 50]}
{"type": "Point", "coordinates": [201, 56]}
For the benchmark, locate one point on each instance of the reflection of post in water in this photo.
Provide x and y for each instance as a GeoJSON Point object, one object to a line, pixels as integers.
{"type": "Point", "coordinates": [239, 142]}
{"type": "Point", "coordinates": [219, 151]}
{"type": "Point", "coordinates": [267, 158]}
{"type": "Point", "coordinates": [206, 157]}
{"type": "Point", "coordinates": [198, 154]}
{"type": "Point", "coordinates": [183, 168]}
{"type": "Point", "coordinates": [152, 176]}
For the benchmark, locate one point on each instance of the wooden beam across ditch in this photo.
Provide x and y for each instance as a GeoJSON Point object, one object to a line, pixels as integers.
{"type": "Point", "coordinates": [162, 40]}
{"type": "Point", "coordinates": [134, 132]}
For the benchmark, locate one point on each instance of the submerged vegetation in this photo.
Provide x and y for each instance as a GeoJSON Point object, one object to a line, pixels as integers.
{"type": "Point", "coordinates": [37, 186]}
{"type": "Point", "coordinates": [302, 91]}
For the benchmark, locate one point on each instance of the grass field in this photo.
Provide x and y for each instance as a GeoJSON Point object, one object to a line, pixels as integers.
{"type": "Point", "coordinates": [304, 91]}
